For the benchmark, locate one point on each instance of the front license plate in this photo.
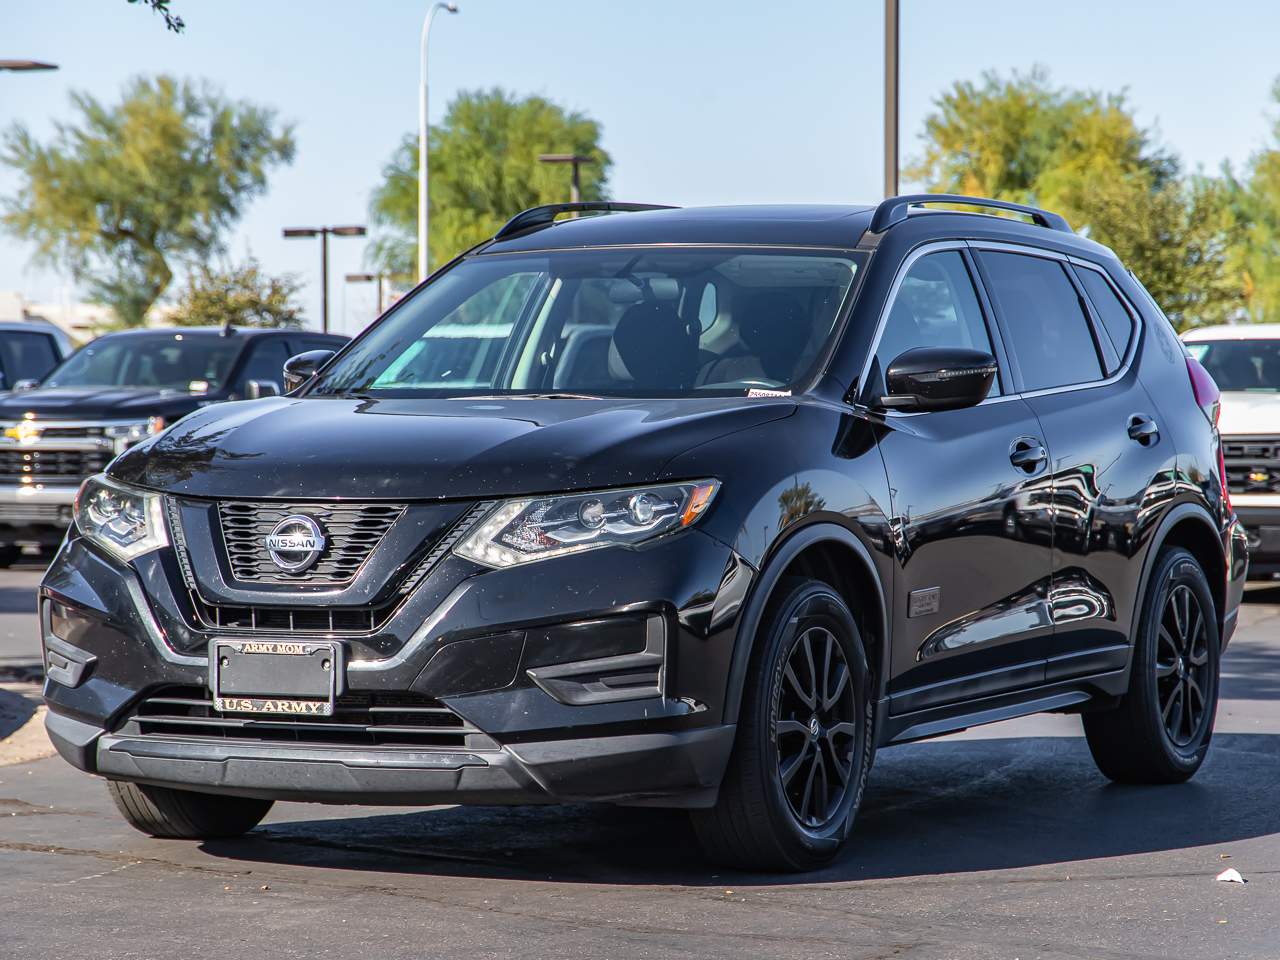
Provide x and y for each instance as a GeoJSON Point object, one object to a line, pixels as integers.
{"type": "Point", "coordinates": [294, 678]}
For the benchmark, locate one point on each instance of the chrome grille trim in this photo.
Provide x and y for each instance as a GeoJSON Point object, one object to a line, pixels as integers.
{"type": "Point", "coordinates": [353, 532]}
{"type": "Point", "coordinates": [1246, 456]}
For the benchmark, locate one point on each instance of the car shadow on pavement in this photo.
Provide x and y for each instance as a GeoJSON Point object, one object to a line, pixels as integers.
{"type": "Point", "coordinates": [931, 808]}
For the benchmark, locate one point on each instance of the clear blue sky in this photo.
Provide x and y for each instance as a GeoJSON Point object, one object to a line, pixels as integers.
{"type": "Point", "coordinates": [702, 101]}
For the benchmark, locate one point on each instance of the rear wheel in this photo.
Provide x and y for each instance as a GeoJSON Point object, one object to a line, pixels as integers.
{"type": "Point", "coordinates": [9, 555]}
{"type": "Point", "coordinates": [1160, 731]}
{"type": "Point", "coordinates": [804, 743]}
{"type": "Point", "coordinates": [185, 814]}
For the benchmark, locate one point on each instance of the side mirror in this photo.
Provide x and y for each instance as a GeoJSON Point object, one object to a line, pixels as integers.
{"type": "Point", "coordinates": [24, 385]}
{"type": "Point", "coordinates": [938, 378]}
{"type": "Point", "coordinates": [301, 368]}
{"type": "Point", "coordinates": [257, 389]}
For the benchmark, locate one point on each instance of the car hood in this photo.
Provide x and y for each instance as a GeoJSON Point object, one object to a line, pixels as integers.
{"type": "Point", "coordinates": [93, 403]}
{"type": "Point", "coordinates": [429, 449]}
{"type": "Point", "coordinates": [1249, 413]}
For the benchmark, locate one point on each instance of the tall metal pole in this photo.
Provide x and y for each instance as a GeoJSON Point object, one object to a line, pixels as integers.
{"type": "Point", "coordinates": [324, 280]}
{"type": "Point", "coordinates": [423, 129]}
{"type": "Point", "coordinates": [891, 98]}
{"type": "Point", "coordinates": [575, 184]}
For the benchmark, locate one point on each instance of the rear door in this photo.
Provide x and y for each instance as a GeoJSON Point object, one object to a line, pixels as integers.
{"type": "Point", "coordinates": [1071, 337]}
{"type": "Point", "coordinates": [969, 523]}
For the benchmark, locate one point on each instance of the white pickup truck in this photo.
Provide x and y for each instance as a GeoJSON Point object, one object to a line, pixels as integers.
{"type": "Point", "coordinates": [1244, 360]}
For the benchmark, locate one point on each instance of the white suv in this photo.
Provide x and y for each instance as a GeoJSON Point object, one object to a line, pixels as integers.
{"type": "Point", "coordinates": [1244, 359]}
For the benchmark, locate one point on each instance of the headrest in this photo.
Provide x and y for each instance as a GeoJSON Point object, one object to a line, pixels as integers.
{"type": "Point", "coordinates": [774, 327]}
{"type": "Point", "coordinates": [654, 348]}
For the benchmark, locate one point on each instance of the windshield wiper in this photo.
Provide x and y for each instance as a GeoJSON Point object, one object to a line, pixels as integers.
{"type": "Point", "coordinates": [530, 396]}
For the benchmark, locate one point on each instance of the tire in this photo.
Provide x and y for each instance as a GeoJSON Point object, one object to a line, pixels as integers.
{"type": "Point", "coordinates": [9, 555]}
{"type": "Point", "coordinates": [1148, 738]}
{"type": "Point", "coordinates": [762, 821]}
{"type": "Point", "coordinates": [184, 814]}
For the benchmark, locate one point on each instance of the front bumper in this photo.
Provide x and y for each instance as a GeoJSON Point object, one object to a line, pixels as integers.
{"type": "Point", "coordinates": [544, 731]}
{"type": "Point", "coordinates": [680, 768]}
{"type": "Point", "coordinates": [35, 512]}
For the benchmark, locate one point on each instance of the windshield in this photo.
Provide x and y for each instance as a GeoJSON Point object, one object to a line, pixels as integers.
{"type": "Point", "coordinates": [616, 322]}
{"type": "Point", "coordinates": [1240, 364]}
{"type": "Point", "coordinates": [172, 361]}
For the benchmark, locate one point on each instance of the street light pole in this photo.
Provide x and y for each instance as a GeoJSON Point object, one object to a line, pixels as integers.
{"type": "Point", "coordinates": [891, 98]}
{"type": "Point", "coordinates": [576, 160]}
{"type": "Point", "coordinates": [377, 278]}
{"type": "Point", "coordinates": [423, 128]}
{"type": "Point", "coordinates": [323, 233]}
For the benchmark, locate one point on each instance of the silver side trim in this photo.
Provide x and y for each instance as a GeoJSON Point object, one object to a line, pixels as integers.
{"type": "Point", "coordinates": [420, 637]}
{"type": "Point", "coordinates": [154, 633]}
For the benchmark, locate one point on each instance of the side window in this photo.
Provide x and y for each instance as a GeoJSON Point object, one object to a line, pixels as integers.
{"type": "Point", "coordinates": [1048, 331]}
{"type": "Point", "coordinates": [27, 356]}
{"type": "Point", "coordinates": [266, 362]}
{"type": "Point", "coordinates": [936, 306]}
{"type": "Point", "coordinates": [1109, 307]}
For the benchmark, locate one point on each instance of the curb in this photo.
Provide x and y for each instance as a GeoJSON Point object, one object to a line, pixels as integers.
{"type": "Point", "coordinates": [21, 708]}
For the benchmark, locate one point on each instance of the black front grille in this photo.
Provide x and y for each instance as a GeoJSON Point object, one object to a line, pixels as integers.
{"type": "Point", "coordinates": [352, 531]}
{"type": "Point", "coordinates": [365, 719]}
{"type": "Point", "coordinates": [41, 464]}
{"type": "Point", "coordinates": [1253, 464]}
{"type": "Point", "coordinates": [293, 619]}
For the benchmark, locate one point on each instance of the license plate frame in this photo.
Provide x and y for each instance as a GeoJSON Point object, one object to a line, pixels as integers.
{"type": "Point", "coordinates": [276, 678]}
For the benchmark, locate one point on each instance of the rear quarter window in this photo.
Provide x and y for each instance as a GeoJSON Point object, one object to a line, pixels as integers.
{"type": "Point", "coordinates": [1115, 316]}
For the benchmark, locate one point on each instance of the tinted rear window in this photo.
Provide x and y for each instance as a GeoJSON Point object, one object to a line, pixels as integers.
{"type": "Point", "coordinates": [1050, 335]}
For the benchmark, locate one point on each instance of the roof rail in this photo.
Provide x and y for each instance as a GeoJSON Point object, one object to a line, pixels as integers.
{"type": "Point", "coordinates": [540, 216]}
{"type": "Point", "coordinates": [895, 209]}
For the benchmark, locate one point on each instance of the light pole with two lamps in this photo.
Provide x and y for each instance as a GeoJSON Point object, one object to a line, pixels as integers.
{"type": "Point", "coordinates": [323, 234]}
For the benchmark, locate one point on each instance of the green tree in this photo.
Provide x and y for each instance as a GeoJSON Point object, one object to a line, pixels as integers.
{"type": "Point", "coordinates": [239, 296]}
{"type": "Point", "coordinates": [1084, 155]}
{"type": "Point", "coordinates": [171, 20]}
{"type": "Point", "coordinates": [132, 190]}
{"type": "Point", "coordinates": [483, 169]}
{"type": "Point", "coordinates": [1255, 199]}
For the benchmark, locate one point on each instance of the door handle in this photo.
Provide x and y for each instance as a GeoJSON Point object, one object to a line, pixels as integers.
{"type": "Point", "coordinates": [1028, 454]}
{"type": "Point", "coordinates": [1143, 429]}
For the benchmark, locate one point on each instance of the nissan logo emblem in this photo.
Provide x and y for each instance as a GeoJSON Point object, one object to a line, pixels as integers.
{"type": "Point", "coordinates": [295, 543]}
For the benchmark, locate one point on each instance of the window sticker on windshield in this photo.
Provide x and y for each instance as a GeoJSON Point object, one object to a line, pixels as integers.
{"type": "Point", "coordinates": [757, 392]}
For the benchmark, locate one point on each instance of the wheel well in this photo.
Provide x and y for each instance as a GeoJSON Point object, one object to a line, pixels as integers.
{"type": "Point", "coordinates": [1201, 542]}
{"type": "Point", "coordinates": [842, 568]}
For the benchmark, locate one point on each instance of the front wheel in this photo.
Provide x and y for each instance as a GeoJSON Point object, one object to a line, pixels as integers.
{"type": "Point", "coordinates": [185, 814]}
{"type": "Point", "coordinates": [804, 745]}
{"type": "Point", "coordinates": [1160, 731]}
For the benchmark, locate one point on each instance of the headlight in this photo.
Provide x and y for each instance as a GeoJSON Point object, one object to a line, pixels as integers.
{"type": "Point", "coordinates": [126, 435]}
{"type": "Point", "coordinates": [520, 531]}
{"type": "Point", "coordinates": [126, 523]}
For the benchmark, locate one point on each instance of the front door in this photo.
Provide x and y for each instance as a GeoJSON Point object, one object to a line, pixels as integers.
{"type": "Point", "coordinates": [970, 496]}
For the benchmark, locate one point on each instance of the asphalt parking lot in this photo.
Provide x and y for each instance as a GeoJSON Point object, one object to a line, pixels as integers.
{"type": "Point", "coordinates": [1004, 842]}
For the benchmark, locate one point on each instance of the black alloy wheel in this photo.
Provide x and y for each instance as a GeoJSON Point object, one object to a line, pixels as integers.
{"type": "Point", "coordinates": [805, 738]}
{"type": "Point", "coordinates": [815, 727]}
{"type": "Point", "coordinates": [1160, 730]}
{"type": "Point", "coordinates": [1182, 666]}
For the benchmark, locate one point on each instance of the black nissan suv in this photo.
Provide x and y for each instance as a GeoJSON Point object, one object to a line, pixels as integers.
{"type": "Point", "coordinates": [693, 508]}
